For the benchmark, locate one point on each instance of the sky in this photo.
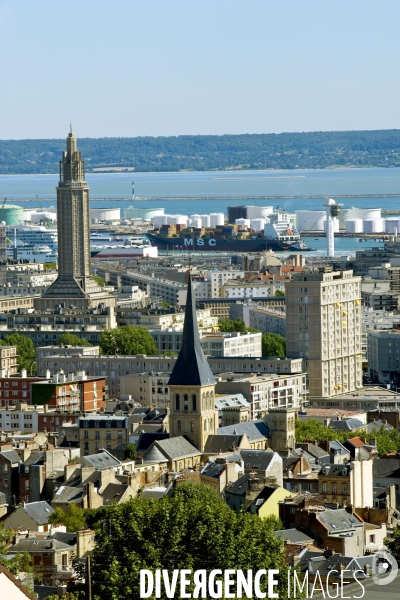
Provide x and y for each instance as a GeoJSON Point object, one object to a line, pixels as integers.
{"type": "Point", "coordinates": [173, 67]}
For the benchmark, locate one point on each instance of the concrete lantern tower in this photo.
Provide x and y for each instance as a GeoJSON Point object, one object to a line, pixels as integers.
{"type": "Point", "coordinates": [74, 284]}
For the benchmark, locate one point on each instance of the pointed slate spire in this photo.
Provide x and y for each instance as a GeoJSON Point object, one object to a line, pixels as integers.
{"type": "Point", "coordinates": [191, 367]}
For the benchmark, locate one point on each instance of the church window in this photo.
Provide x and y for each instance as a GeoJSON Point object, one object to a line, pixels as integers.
{"type": "Point", "coordinates": [194, 402]}
{"type": "Point", "coordinates": [211, 424]}
{"type": "Point", "coordinates": [205, 424]}
{"type": "Point", "coordinates": [207, 400]}
{"type": "Point", "coordinates": [186, 402]}
{"type": "Point", "coordinates": [179, 426]}
{"type": "Point", "coordinates": [177, 402]}
{"type": "Point", "coordinates": [191, 426]}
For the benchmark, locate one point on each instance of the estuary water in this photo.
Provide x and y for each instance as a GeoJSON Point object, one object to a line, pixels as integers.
{"type": "Point", "coordinates": [158, 187]}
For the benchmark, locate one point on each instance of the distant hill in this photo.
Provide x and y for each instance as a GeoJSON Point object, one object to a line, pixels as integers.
{"type": "Point", "coordinates": [211, 152]}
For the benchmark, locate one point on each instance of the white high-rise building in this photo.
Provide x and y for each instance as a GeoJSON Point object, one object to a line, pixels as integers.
{"type": "Point", "coordinates": [323, 326]}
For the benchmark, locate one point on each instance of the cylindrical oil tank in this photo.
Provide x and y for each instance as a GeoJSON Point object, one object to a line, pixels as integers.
{"type": "Point", "coordinates": [244, 222]}
{"type": "Point", "coordinates": [159, 220]}
{"type": "Point", "coordinates": [335, 224]}
{"type": "Point", "coordinates": [105, 214]}
{"type": "Point", "coordinates": [217, 219]}
{"type": "Point", "coordinates": [197, 222]}
{"type": "Point", "coordinates": [205, 220]}
{"type": "Point", "coordinates": [258, 224]}
{"type": "Point", "coordinates": [258, 212]}
{"type": "Point", "coordinates": [373, 225]}
{"type": "Point", "coordinates": [147, 214]}
{"type": "Point", "coordinates": [354, 226]}
{"type": "Point", "coordinates": [12, 214]}
{"type": "Point", "coordinates": [310, 220]}
{"type": "Point", "coordinates": [392, 225]}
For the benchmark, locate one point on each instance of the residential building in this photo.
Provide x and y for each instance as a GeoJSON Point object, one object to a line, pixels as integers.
{"type": "Point", "coordinates": [384, 355]}
{"type": "Point", "coordinates": [98, 432]}
{"type": "Point", "coordinates": [33, 516]}
{"type": "Point", "coordinates": [71, 392]}
{"type": "Point", "coordinates": [174, 454]}
{"type": "Point", "coordinates": [347, 484]}
{"type": "Point", "coordinates": [323, 312]}
{"type": "Point", "coordinates": [265, 392]}
{"type": "Point", "coordinates": [8, 360]}
{"type": "Point", "coordinates": [9, 466]}
{"type": "Point", "coordinates": [14, 390]}
{"type": "Point", "coordinates": [149, 389]}
{"type": "Point", "coordinates": [220, 473]}
{"type": "Point", "coordinates": [257, 495]}
{"type": "Point", "coordinates": [222, 307]}
{"type": "Point", "coordinates": [232, 344]}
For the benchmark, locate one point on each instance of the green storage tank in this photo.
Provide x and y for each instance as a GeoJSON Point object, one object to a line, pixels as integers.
{"type": "Point", "coordinates": [12, 214]}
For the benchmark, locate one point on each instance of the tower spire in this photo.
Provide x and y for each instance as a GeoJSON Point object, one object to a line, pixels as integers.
{"type": "Point", "coordinates": [191, 367]}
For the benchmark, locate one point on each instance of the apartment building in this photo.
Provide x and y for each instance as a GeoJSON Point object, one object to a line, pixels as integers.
{"type": "Point", "coordinates": [231, 344]}
{"type": "Point", "coordinates": [384, 355]}
{"type": "Point", "coordinates": [221, 307]}
{"type": "Point", "coordinates": [171, 291]}
{"type": "Point", "coordinates": [98, 432]}
{"type": "Point", "coordinates": [211, 286]}
{"type": "Point", "coordinates": [149, 389]}
{"type": "Point", "coordinates": [265, 392]}
{"type": "Point", "coordinates": [323, 324]}
{"type": "Point", "coordinates": [8, 360]}
{"type": "Point", "coordinates": [251, 289]}
{"type": "Point", "coordinates": [71, 392]}
{"type": "Point", "coordinates": [14, 390]}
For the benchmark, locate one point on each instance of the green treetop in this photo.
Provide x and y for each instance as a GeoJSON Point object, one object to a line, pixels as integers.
{"type": "Point", "coordinates": [127, 341]}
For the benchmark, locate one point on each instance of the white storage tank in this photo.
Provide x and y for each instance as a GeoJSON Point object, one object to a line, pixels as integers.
{"type": "Point", "coordinates": [258, 212]}
{"type": "Point", "coordinates": [160, 220]}
{"type": "Point", "coordinates": [217, 219]}
{"type": "Point", "coordinates": [243, 222]}
{"type": "Point", "coordinates": [392, 225]}
{"type": "Point", "coordinates": [373, 225]}
{"type": "Point", "coordinates": [354, 226]}
{"type": "Point", "coordinates": [310, 220]}
{"type": "Point", "coordinates": [105, 214]}
{"type": "Point", "coordinates": [197, 222]}
{"type": "Point", "coordinates": [359, 213]}
{"type": "Point", "coordinates": [205, 220]}
{"type": "Point", "coordinates": [258, 224]}
{"type": "Point", "coordinates": [181, 219]}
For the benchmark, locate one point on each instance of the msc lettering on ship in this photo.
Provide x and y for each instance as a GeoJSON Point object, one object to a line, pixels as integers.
{"type": "Point", "coordinates": [199, 242]}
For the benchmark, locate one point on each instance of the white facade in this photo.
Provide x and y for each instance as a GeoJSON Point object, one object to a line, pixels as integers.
{"type": "Point", "coordinates": [232, 344]}
{"type": "Point", "coordinates": [310, 220]}
{"type": "Point", "coordinates": [24, 421]}
{"type": "Point", "coordinates": [361, 484]}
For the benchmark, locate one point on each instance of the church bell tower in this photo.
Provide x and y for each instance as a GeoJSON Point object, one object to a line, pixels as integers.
{"type": "Point", "coordinates": [192, 385]}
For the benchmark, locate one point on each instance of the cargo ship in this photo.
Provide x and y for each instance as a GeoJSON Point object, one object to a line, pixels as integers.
{"type": "Point", "coordinates": [278, 235]}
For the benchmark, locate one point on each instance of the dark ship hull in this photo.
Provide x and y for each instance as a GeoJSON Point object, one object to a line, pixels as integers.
{"type": "Point", "coordinates": [223, 244]}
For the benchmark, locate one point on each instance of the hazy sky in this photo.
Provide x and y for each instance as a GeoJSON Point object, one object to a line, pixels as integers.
{"type": "Point", "coordinates": [170, 67]}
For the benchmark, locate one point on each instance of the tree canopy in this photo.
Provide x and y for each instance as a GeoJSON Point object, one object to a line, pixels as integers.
{"type": "Point", "coordinates": [313, 150]}
{"type": "Point", "coordinates": [239, 325]}
{"type": "Point", "coordinates": [25, 350]}
{"type": "Point", "coordinates": [70, 339]}
{"type": "Point", "coordinates": [127, 341]}
{"type": "Point", "coordinates": [308, 431]}
{"type": "Point", "coordinates": [194, 529]}
{"type": "Point", "coordinates": [273, 344]}
{"type": "Point", "coordinates": [74, 519]}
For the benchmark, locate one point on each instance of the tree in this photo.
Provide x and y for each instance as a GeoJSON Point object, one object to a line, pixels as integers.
{"type": "Point", "coordinates": [273, 344]}
{"type": "Point", "coordinates": [195, 530]}
{"type": "Point", "coordinates": [130, 452]}
{"type": "Point", "coordinates": [74, 519]}
{"type": "Point", "coordinates": [25, 350]}
{"type": "Point", "coordinates": [127, 341]}
{"type": "Point", "coordinates": [165, 304]}
{"type": "Point", "coordinates": [279, 293]}
{"type": "Point", "coordinates": [70, 339]}
{"type": "Point", "coordinates": [236, 325]}
{"type": "Point", "coordinates": [19, 563]}
{"type": "Point", "coordinates": [393, 544]}
{"type": "Point", "coordinates": [99, 280]}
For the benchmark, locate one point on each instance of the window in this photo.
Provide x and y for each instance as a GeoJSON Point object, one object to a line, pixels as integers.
{"type": "Point", "coordinates": [186, 402]}
{"type": "Point", "coordinates": [120, 435]}
{"type": "Point", "coordinates": [179, 426]}
{"type": "Point", "coordinates": [344, 488]}
{"type": "Point", "coordinates": [194, 402]}
{"type": "Point", "coordinates": [177, 402]}
{"type": "Point", "coordinates": [85, 435]}
{"type": "Point", "coordinates": [334, 488]}
{"type": "Point", "coordinates": [292, 510]}
{"type": "Point", "coordinates": [108, 435]}
{"type": "Point", "coordinates": [97, 435]}
{"type": "Point", "coordinates": [324, 488]}
{"type": "Point", "coordinates": [191, 426]}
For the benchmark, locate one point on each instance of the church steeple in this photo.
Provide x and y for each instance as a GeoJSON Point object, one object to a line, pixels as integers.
{"type": "Point", "coordinates": [191, 367]}
{"type": "Point", "coordinates": [192, 385]}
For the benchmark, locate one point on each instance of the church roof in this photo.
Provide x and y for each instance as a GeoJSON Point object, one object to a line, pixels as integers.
{"type": "Point", "coordinates": [191, 367]}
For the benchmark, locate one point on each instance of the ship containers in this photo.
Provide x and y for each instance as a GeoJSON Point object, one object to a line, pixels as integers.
{"type": "Point", "coordinates": [243, 222]}
{"type": "Point", "coordinates": [258, 224]}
